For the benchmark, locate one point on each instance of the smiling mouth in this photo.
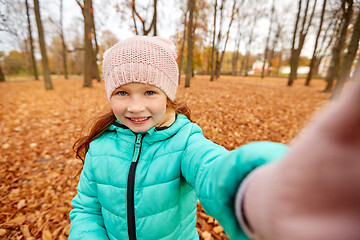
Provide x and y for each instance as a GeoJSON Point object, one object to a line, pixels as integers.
{"type": "Point", "coordinates": [138, 120]}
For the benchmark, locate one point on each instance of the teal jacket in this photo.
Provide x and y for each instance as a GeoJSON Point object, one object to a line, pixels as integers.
{"type": "Point", "coordinates": [145, 185]}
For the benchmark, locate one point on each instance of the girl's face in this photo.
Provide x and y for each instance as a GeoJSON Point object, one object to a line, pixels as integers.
{"type": "Point", "coordinates": [141, 107]}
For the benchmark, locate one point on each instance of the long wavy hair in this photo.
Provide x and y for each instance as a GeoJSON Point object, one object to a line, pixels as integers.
{"type": "Point", "coordinates": [99, 124]}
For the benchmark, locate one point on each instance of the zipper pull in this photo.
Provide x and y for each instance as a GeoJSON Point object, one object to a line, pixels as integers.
{"type": "Point", "coordinates": [137, 148]}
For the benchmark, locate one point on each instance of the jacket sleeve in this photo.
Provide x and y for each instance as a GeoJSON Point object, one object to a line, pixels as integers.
{"type": "Point", "coordinates": [86, 219]}
{"type": "Point", "coordinates": [216, 174]}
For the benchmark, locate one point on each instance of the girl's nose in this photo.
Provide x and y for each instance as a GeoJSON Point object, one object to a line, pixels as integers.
{"type": "Point", "coordinates": [136, 106]}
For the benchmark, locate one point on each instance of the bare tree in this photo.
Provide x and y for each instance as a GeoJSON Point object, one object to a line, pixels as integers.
{"type": "Point", "coordinates": [299, 37]}
{"type": "Point", "coordinates": [33, 62]}
{"type": "Point", "coordinates": [347, 9]}
{"type": "Point", "coordinates": [95, 47]}
{"type": "Point", "coordinates": [219, 36]}
{"type": "Point", "coordinates": [236, 54]}
{"type": "Point", "coordinates": [64, 49]}
{"type": "Point", "coordinates": [277, 38]}
{"type": "Point", "coordinates": [213, 44]}
{"type": "Point", "coordinates": [219, 62]}
{"type": "Point", "coordinates": [356, 69]}
{"type": "Point", "coordinates": [257, 14]}
{"type": "Point", "coordinates": [349, 57]}
{"type": "Point", "coordinates": [13, 21]}
{"type": "Point", "coordinates": [136, 15]}
{"type": "Point", "coordinates": [268, 39]}
{"type": "Point", "coordinates": [313, 59]}
{"type": "Point", "coordinates": [190, 43]}
{"type": "Point", "coordinates": [2, 76]}
{"type": "Point", "coordinates": [329, 35]}
{"type": "Point", "coordinates": [44, 59]}
{"type": "Point", "coordinates": [183, 43]}
{"type": "Point", "coordinates": [89, 34]}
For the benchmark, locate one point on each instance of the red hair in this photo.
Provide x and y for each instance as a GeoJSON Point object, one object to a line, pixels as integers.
{"type": "Point", "coordinates": [99, 124]}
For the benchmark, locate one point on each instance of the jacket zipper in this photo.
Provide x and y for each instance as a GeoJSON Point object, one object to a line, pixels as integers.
{"type": "Point", "coordinates": [131, 187]}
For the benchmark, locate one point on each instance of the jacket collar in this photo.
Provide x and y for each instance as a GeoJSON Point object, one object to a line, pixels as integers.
{"type": "Point", "coordinates": [120, 125]}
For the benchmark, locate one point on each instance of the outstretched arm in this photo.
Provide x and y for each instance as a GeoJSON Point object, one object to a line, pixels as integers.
{"type": "Point", "coordinates": [216, 174]}
{"type": "Point", "coordinates": [314, 192]}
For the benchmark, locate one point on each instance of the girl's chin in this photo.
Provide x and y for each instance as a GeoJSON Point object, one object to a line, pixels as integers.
{"type": "Point", "coordinates": [139, 127]}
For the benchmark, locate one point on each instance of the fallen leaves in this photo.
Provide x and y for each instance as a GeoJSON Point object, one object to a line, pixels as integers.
{"type": "Point", "coordinates": [38, 171]}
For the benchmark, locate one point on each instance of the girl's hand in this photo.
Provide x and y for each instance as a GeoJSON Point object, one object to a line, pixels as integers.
{"type": "Point", "coordinates": [314, 192]}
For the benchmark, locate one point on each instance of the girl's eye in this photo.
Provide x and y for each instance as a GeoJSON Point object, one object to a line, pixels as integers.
{"type": "Point", "coordinates": [122, 93]}
{"type": "Point", "coordinates": [149, 93]}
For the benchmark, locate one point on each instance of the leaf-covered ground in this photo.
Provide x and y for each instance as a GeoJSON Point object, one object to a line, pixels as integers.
{"type": "Point", "coordinates": [38, 171]}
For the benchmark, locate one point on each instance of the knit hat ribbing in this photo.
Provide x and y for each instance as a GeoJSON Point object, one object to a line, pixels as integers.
{"type": "Point", "coordinates": [148, 60]}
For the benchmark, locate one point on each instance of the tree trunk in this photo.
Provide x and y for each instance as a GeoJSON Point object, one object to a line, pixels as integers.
{"type": "Point", "coordinates": [44, 59]}
{"type": "Point", "coordinates": [357, 70]}
{"type": "Point", "coordinates": [268, 39]}
{"type": "Point", "coordinates": [296, 51]}
{"type": "Point", "coordinates": [88, 48]}
{"type": "Point", "coordinates": [2, 76]}
{"type": "Point", "coordinates": [133, 10]}
{"type": "Point", "coordinates": [294, 64]}
{"type": "Point", "coordinates": [213, 44]}
{"type": "Point", "coordinates": [236, 53]}
{"type": "Point", "coordinates": [33, 61]}
{"type": "Point", "coordinates": [280, 60]}
{"type": "Point", "coordinates": [242, 65]}
{"type": "Point", "coordinates": [313, 59]}
{"type": "Point", "coordinates": [63, 41]}
{"type": "Point", "coordinates": [274, 44]}
{"type": "Point", "coordinates": [155, 18]}
{"type": "Point", "coordinates": [95, 46]}
{"type": "Point", "coordinates": [190, 43]}
{"type": "Point", "coordinates": [338, 48]}
{"type": "Point", "coordinates": [349, 57]}
{"type": "Point", "coordinates": [293, 47]}
{"type": "Point", "coordinates": [217, 48]}
{"type": "Point", "coordinates": [247, 56]}
{"type": "Point", "coordinates": [183, 45]}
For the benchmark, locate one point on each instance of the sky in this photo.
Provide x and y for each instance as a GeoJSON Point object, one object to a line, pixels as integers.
{"type": "Point", "coordinates": [107, 18]}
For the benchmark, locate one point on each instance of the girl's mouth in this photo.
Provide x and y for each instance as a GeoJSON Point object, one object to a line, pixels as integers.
{"type": "Point", "coordinates": [138, 120]}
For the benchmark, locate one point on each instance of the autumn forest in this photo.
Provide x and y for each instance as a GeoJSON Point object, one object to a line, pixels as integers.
{"type": "Point", "coordinates": [249, 71]}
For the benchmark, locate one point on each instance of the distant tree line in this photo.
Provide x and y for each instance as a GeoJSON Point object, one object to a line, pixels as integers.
{"type": "Point", "coordinates": [205, 33]}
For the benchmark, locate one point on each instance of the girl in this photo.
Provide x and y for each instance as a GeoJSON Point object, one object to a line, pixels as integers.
{"type": "Point", "coordinates": [146, 163]}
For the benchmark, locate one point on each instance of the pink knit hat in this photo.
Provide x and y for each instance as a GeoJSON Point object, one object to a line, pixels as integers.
{"type": "Point", "coordinates": [149, 60]}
